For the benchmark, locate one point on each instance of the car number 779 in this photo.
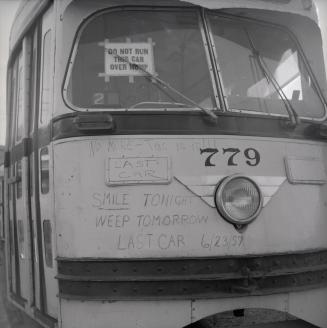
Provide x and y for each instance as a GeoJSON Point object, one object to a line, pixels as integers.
{"type": "Point", "coordinates": [250, 155]}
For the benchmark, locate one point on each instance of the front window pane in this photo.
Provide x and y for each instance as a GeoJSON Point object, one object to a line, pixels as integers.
{"type": "Point", "coordinates": [167, 44]}
{"type": "Point", "coordinates": [248, 84]}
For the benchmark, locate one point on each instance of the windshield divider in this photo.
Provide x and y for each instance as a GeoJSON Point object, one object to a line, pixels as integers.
{"type": "Point", "coordinates": [213, 58]}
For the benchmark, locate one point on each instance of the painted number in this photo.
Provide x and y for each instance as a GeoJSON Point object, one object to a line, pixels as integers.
{"type": "Point", "coordinates": [251, 155]}
{"type": "Point", "coordinates": [234, 152]}
{"type": "Point", "coordinates": [211, 151]}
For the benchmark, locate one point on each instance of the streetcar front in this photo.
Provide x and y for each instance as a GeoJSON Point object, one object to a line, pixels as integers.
{"type": "Point", "coordinates": [189, 161]}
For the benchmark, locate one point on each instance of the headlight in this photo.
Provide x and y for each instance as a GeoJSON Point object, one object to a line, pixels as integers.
{"type": "Point", "coordinates": [238, 199]}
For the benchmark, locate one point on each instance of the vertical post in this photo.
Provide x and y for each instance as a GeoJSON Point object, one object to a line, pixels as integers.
{"type": "Point", "coordinates": [27, 55]}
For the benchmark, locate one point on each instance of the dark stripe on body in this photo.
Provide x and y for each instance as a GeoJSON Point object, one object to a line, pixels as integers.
{"type": "Point", "coordinates": [188, 123]}
{"type": "Point", "coordinates": [196, 278]}
{"type": "Point", "coordinates": [149, 123]}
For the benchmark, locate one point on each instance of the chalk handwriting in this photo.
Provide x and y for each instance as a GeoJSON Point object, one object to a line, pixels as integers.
{"type": "Point", "coordinates": [214, 240]}
{"type": "Point", "coordinates": [166, 200]}
{"type": "Point", "coordinates": [170, 220]}
{"type": "Point", "coordinates": [129, 170]}
{"type": "Point", "coordinates": [95, 147]}
{"type": "Point", "coordinates": [112, 221]}
{"type": "Point", "coordinates": [129, 145]}
{"type": "Point", "coordinates": [110, 201]}
{"type": "Point", "coordinates": [150, 241]}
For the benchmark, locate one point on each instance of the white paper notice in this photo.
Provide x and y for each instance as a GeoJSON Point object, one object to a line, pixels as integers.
{"type": "Point", "coordinates": [126, 59]}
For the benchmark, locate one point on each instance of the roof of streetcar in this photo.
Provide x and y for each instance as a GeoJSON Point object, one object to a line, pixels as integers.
{"type": "Point", "coordinates": [29, 11]}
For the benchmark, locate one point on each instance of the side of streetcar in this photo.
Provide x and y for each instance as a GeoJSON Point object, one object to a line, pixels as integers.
{"type": "Point", "coordinates": [29, 231]}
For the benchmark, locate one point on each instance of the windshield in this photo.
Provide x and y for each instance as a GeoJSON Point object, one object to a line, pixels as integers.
{"type": "Point", "coordinates": [114, 46]}
{"type": "Point", "coordinates": [248, 85]}
{"type": "Point", "coordinates": [121, 55]}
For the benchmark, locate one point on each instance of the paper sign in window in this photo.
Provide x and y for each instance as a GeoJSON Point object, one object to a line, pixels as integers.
{"type": "Point", "coordinates": [127, 59]}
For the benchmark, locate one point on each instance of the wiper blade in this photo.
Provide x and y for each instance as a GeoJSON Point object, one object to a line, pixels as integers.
{"type": "Point", "coordinates": [159, 103]}
{"type": "Point", "coordinates": [293, 116]}
{"type": "Point", "coordinates": [165, 84]}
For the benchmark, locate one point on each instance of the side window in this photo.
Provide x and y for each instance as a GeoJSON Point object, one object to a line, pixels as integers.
{"type": "Point", "coordinates": [44, 168]}
{"type": "Point", "coordinates": [34, 81]}
{"type": "Point", "coordinates": [10, 186]}
{"type": "Point", "coordinates": [31, 175]}
{"type": "Point", "coordinates": [46, 78]}
{"type": "Point", "coordinates": [19, 101]}
{"type": "Point", "coordinates": [2, 228]}
{"type": "Point", "coordinates": [47, 240]}
{"type": "Point", "coordinates": [1, 191]}
{"type": "Point", "coordinates": [13, 102]}
{"type": "Point", "coordinates": [19, 189]}
{"type": "Point", "coordinates": [20, 233]}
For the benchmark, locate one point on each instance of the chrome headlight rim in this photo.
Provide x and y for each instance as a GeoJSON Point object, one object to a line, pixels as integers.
{"type": "Point", "coordinates": [220, 204]}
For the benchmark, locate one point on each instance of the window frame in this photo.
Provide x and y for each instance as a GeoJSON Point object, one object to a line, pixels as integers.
{"type": "Point", "coordinates": [302, 56]}
{"type": "Point", "coordinates": [19, 106]}
{"type": "Point", "coordinates": [46, 44]}
{"type": "Point", "coordinates": [95, 15]}
{"type": "Point", "coordinates": [13, 97]}
{"type": "Point", "coordinates": [34, 80]}
{"type": "Point", "coordinates": [213, 64]}
{"type": "Point", "coordinates": [44, 172]}
{"type": "Point", "coordinates": [19, 177]}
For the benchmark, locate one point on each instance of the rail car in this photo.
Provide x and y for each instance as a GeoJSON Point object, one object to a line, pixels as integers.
{"type": "Point", "coordinates": [2, 226]}
{"type": "Point", "coordinates": [165, 161]}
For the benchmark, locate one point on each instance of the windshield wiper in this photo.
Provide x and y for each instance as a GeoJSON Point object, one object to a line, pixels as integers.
{"type": "Point", "coordinates": [293, 116]}
{"type": "Point", "coordinates": [167, 104]}
{"type": "Point", "coordinates": [164, 84]}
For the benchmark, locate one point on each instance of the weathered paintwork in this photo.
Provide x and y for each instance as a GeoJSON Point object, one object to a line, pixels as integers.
{"type": "Point", "coordinates": [309, 306]}
{"type": "Point", "coordinates": [168, 219]}
{"type": "Point", "coordinates": [101, 209]}
{"type": "Point", "coordinates": [97, 220]}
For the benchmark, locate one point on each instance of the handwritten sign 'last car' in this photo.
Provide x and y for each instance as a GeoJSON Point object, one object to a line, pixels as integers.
{"type": "Point", "coordinates": [125, 59]}
{"type": "Point", "coordinates": [135, 170]}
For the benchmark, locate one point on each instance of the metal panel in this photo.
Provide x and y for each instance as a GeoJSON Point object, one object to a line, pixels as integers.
{"type": "Point", "coordinates": [205, 186]}
{"type": "Point", "coordinates": [156, 123]}
{"type": "Point", "coordinates": [310, 306]}
{"type": "Point", "coordinates": [26, 15]}
{"type": "Point", "coordinates": [305, 170]}
{"type": "Point", "coordinates": [96, 220]}
{"type": "Point", "coordinates": [76, 314]}
{"type": "Point", "coordinates": [100, 279]}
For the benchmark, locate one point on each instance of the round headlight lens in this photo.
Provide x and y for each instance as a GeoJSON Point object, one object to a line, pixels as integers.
{"type": "Point", "coordinates": [238, 199]}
